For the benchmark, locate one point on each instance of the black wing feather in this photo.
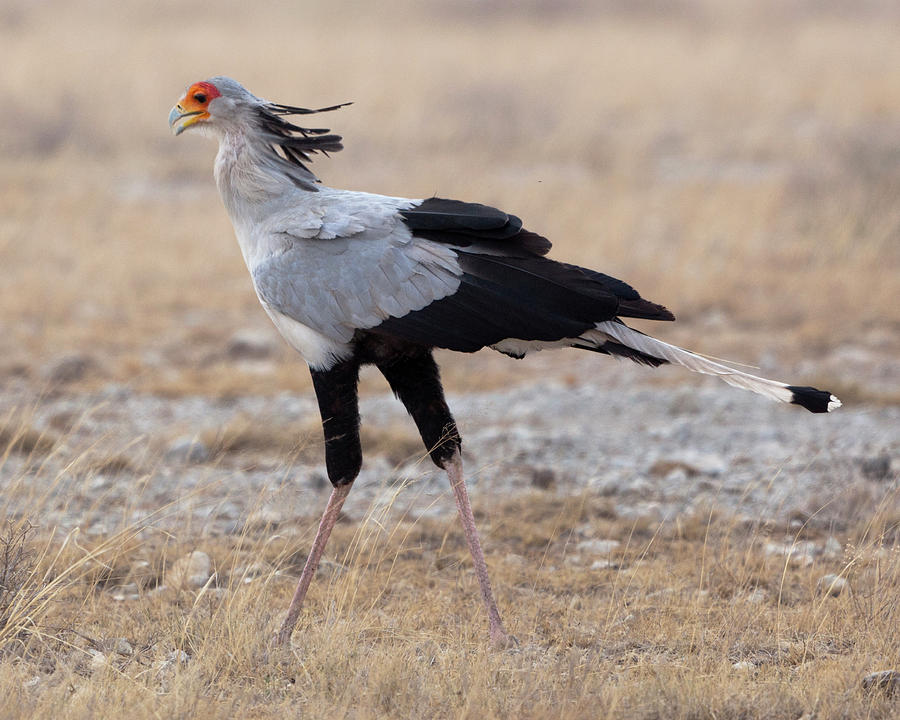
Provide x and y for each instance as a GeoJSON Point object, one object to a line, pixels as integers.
{"type": "Point", "coordinates": [460, 223]}
{"type": "Point", "coordinates": [508, 288]}
{"type": "Point", "coordinates": [479, 314]}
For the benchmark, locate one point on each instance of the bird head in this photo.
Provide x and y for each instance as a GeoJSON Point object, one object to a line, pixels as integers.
{"type": "Point", "coordinates": [216, 105]}
{"type": "Point", "coordinates": [194, 107]}
{"type": "Point", "coordinates": [220, 106]}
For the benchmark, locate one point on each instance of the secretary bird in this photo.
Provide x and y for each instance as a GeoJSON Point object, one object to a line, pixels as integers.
{"type": "Point", "coordinates": [352, 278]}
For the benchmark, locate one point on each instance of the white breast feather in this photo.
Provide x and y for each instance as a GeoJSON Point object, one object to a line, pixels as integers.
{"type": "Point", "coordinates": [319, 352]}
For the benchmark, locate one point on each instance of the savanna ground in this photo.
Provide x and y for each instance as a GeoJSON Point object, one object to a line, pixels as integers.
{"type": "Point", "coordinates": [738, 162]}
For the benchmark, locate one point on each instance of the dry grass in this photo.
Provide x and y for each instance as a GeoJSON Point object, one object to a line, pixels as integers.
{"type": "Point", "coordinates": [393, 626]}
{"type": "Point", "coordinates": [732, 160]}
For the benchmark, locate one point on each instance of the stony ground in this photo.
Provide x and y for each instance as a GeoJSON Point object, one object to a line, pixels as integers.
{"type": "Point", "coordinates": [655, 450]}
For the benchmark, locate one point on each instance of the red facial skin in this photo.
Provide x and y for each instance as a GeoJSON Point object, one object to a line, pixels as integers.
{"type": "Point", "coordinates": [197, 100]}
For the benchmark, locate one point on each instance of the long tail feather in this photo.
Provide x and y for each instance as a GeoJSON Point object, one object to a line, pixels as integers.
{"type": "Point", "coordinates": [814, 400]}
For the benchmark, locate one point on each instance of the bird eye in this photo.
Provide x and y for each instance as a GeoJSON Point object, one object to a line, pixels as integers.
{"type": "Point", "coordinates": [200, 98]}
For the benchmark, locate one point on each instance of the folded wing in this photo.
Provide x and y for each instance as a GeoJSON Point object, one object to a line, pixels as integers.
{"type": "Point", "coordinates": [447, 274]}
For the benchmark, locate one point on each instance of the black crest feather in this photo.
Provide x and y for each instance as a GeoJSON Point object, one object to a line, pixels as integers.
{"type": "Point", "coordinates": [295, 143]}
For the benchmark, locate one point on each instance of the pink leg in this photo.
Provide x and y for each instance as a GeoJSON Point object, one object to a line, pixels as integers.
{"type": "Point", "coordinates": [499, 638]}
{"type": "Point", "coordinates": [329, 517]}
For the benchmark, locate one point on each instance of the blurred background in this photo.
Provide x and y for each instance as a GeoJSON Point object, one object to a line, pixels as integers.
{"type": "Point", "coordinates": [736, 161]}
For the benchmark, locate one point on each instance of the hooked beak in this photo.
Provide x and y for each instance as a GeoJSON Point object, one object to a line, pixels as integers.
{"type": "Point", "coordinates": [180, 119]}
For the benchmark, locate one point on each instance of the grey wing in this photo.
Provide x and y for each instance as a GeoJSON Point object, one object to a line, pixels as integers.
{"type": "Point", "coordinates": [341, 285]}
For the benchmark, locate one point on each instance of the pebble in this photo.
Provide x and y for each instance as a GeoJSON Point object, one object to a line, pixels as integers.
{"type": "Point", "coordinates": [129, 591]}
{"type": "Point", "coordinates": [254, 571]}
{"type": "Point", "coordinates": [598, 547]}
{"type": "Point", "coordinates": [123, 647]}
{"type": "Point", "coordinates": [832, 547]}
{"type": "Point", "coordinates": [832, 585]}
{"type": "Point", "coordinates": [543, 478]}
{"type": "Point", "coordinates": [757, 596]}
{"type": "Point", "coordinates": [877, 468]}
{"type": "Point", "coordinates": [178, 656]}
{"type": "Point", "coordinates": [799, 554]}
{"type": "Point", "coordinates": [187, 449]}
{"type": "Point", "coordinates": [141, 575]}
{"type": "Point", "coordinates": [886, 680]}
{"type": "Point", "coordinates": [98, 659]}
{"type": "Point", "coordinates": [190, 571]}
{"type": "Point", "coordinates": [70, 368]}
{"type": "Point", "coordinates": [604, 565]}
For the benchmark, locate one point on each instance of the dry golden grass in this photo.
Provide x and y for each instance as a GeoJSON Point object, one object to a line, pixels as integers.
{"type": "Point", "coordinates": [736, 159]}
{"type": "Point", "coordinates": [393, 626]}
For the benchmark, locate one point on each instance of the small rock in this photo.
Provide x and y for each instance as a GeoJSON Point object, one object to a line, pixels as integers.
{"type": "Point", "coordinates": [70, 368]}
{"type": "Point", "coordinates": [128, 591]}
{"type": "Point", "coordinates": [744, 666]}
{"type": "Point", "coordinates": [799, 554]}
{"type": "Point", "coordinates": [98, 659]}
{"type": "Point", "coordinates": [667, 468]}
{"type": "Point", "coordinates": [187, 450]}
{"type": "Point", "coordinates": [886, 680]}
{"type": "Point", "coordinates": [178, 656]}
{"type": "Point", "coordinates": [250, 344]}
{"type": "Point", "coordinates": [598, 547]}
{"type": "Point", "coordinates": [677, 477]}
{"type": "Point", "coordinates": [604, 565]}
{"type": "Point", "coordinates": [832, 585]}
{"type": "Point", "coordinates": [832, 547]}
{"type": "Point", "coordinates": [757, 596]}
{"type": "Point", "coordinates": [190, 571]}
{"type": "Point", "coordinates": [691, 464]}
{"type": "Point", "coordinates": [543, 478]}
{"type": "Point", "coordinates": [123, 647]}
{"type": "Point", "coordinates": [254, 571]}
{"type": "Point", "coordinates": [877, 468]}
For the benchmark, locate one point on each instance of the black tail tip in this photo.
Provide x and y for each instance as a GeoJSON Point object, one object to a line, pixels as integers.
{"type": "Point", "coordinates": [817, 401]}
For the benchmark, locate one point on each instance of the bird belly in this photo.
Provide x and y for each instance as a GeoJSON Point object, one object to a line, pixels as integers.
{"type": "Point", "coordinates": [319, 351]}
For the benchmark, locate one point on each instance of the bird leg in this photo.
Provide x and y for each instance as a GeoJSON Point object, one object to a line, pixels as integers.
{"type": "Point", "coordinates": [499, 637]}
{"type": "Point", "coordinates": [336, 393]}
{"type": "Point", "coordinates": [415, 379]}
{"type": "Point", "coordinates": [329, 517]}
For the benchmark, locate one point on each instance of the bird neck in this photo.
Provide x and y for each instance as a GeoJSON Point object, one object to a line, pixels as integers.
{"type": "Point", "coordinates": [252, 177]}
